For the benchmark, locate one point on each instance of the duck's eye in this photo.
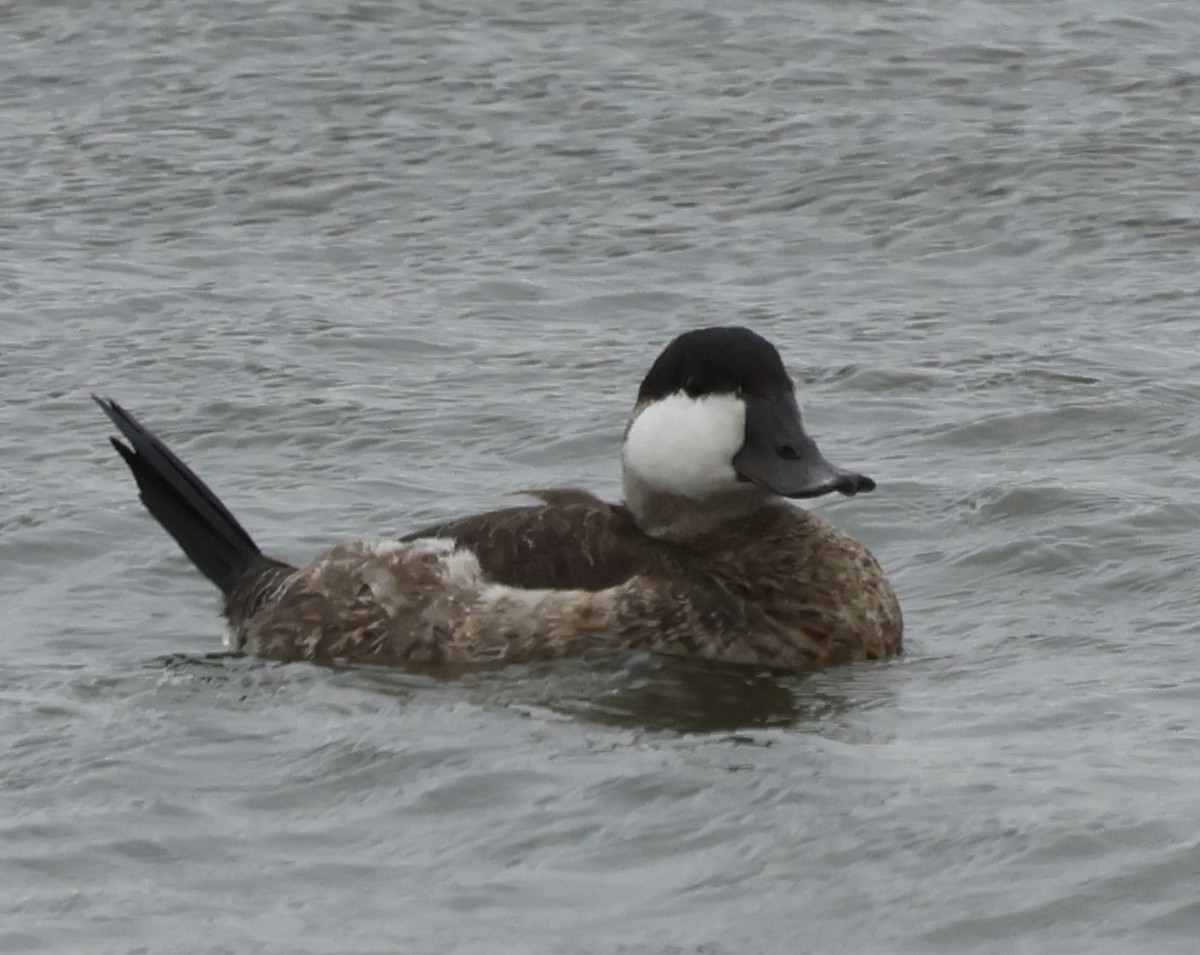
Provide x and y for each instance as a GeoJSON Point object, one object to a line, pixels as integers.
{"type": "Point", "coordinates": [693, 387]}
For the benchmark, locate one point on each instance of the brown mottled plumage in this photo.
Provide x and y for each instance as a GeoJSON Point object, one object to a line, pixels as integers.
{"type": "Point", "coordinates": [705, 559]}
{"type": "Point", "coordinates": [779, 587]}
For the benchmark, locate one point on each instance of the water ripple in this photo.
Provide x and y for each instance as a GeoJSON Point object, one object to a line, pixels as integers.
{"type": "Point", "coordinates": [373, 265]}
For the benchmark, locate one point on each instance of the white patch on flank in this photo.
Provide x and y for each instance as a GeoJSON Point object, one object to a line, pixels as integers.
{"type": "Point", "coordinates": [461, 569]}
{"type": "Point", "coordinates": [459, 566]}
{"type": "Point", "coordinates": [383, 548]}
{"type": "Point", "coordinates": [517, 598]}
{"type": "Point", "coordinates": [685, 446]}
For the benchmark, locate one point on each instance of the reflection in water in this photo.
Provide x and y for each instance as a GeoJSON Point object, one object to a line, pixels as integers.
{"type": "Point", "coordinates": [641, 691]}
{"type": "Point", "coordinates": [697, 696]}
{"type": "Point", "coordinates": [692, 696]}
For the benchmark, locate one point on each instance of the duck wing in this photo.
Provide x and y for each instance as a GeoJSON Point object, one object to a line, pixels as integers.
{"type": "Point", "coordinates": [573, 542]}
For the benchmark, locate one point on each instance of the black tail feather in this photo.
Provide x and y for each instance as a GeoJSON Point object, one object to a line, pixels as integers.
{"type": "Point", "coordinates": [191, 513]}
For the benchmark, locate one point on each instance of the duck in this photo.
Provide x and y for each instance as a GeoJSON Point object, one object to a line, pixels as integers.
{"type": "Point", "coordinates": [705, 557]}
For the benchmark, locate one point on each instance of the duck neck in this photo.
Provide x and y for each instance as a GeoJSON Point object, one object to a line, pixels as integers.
{"type": "Point", "coordinates": [680, 519]}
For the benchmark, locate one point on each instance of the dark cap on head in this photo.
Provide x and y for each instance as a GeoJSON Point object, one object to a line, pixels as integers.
{"type": "Point", "coordinates": [716, 360]}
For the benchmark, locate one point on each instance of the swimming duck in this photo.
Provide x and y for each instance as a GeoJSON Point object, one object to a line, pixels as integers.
{"type": "Point", "coordinates": [706, 557]}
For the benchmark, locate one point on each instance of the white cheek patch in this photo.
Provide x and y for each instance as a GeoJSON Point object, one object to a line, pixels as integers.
{"type": "Point", "coordinates": [685, 446]}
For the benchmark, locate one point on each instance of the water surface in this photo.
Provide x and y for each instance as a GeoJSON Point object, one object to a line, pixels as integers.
{"type": "Point", "coordinates": [371, 265]}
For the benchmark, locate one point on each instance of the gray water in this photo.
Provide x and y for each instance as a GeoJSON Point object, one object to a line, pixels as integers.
{"type": "Point", "coordinates": [367, 265]}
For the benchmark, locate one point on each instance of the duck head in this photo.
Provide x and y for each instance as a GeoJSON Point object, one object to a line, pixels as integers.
{"type": "Point", "coordinates": [717, 426]}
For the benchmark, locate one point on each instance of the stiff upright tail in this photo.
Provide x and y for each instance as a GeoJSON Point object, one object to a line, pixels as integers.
{"type": "Point", "coordinates": [216, 543]}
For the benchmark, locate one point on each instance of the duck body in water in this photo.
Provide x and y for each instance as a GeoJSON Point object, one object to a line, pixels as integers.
{"type": "Point", "coordinates": [706, 557]}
